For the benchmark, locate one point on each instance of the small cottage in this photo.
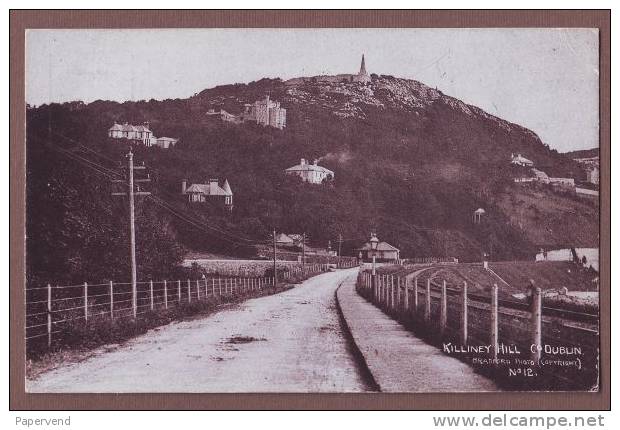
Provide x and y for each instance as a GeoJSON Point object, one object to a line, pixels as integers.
{"type": "Point", "coordinates": [519, 160]}
{"type": "Point", "coordinates": [383, 252]}
{"type": "Point", "coordinates": [209, 192]}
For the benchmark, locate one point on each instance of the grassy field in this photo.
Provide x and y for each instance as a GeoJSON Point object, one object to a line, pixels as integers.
{"type": "Point", "coordinates": [548, 275]}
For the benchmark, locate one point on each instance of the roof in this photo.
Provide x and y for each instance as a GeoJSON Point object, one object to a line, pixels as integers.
{"type": "Point", "coordinates": [128, 127]}
{"type": "Point", "coordinates": [210, 189]}
{"type": "Point", "coordinates": [309, 167]}
{"type": "Point", "coordinates": [521, 159]}
{"type": "Point", "coordinates": [381, 246]}
{"type": "Point", "coordinates": [226, 187]}
{"type": "Point", "coordinates": [283, 238]}
{"type": "Point", "coordinates": [171, 139]}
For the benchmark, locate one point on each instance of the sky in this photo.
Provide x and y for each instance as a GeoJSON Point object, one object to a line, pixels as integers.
{"type": "Point", "coordinates": [543, 79]}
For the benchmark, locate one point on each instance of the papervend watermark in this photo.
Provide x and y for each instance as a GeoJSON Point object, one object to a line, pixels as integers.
{"type": "Point", "coordinates": [42, 422]}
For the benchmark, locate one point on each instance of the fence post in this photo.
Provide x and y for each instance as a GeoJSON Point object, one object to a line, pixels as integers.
{"type": "Point", "coordinates": [111, 300]}
{"type": "Point", "coordinates": [415, 294]}
{"type": "Point", "coordinates": [494, 320]}
{"type": "Point", "coordinates": [406, 304]}
{"type": "Point", "coordinates": [398, 285]}
{"type": "Point", "coordinates": [443, 316]}
{"type": "Point", "coordinates": [85, 301]}
{"type": "Point", "coordinates": [189, 291]}
{"type": "Point", "coordinates": [386, 290]}
{"type": "Point", "coordinates": [536, 324]}
{"type": "Point", "coordinates": [151, 289]}
{"type": "Point", "coordinates": [393, 296]}
{"type": "Point", "coordinates": [427, 307]}
{"type": "Point", "coordinates": [179, 289]}
{"type": "Point", "coordinates": [49, 315]}
{"type": "Point", "coordinates": [464, 314]}
{"type": "Point", "coordinates": [219, 284]}
{"type": "Point", "coordinates": [197, 289]}
{"type": "Point", "coordinates": [213, 286]}
{"type": "Point", "coordinates": [165, 294]}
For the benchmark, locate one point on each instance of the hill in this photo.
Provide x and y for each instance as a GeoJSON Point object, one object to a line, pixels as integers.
{"type": "Point", "coordinates": [410, 162]}
{"type": "Point", "coordinates": [583, 153]}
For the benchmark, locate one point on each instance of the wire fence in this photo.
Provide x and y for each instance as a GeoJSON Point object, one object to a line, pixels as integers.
{"type": "Point", "coordinates": [51, 309]}
{"type": "Point", "coordinates": [528, 331]}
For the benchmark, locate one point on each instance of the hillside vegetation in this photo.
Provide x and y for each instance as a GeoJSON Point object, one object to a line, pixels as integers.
{"type": "Point", "coordinates": [410, 163]}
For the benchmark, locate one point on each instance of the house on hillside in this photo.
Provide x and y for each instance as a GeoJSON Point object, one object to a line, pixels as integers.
{"type": "Point", "coordinates": [209, 192]}
{"type": "Point", "coordinates": [298, 238]}
{"type": "Point", "coordinates": [312, 173]}
{"type": "Point", "coordinates": [225, 116]}
{"type": "Point", "coordinates": [140, 134]}
{"type": "Point", "coordinates": [285, 240]}
{"type": "Point", "coordinates": [519, 160]}
{"type": "Point", "coordinates": [265, 112]}
{"type": "Point", "coordinates": [383, 252]}
{"type": "Point", "coordinates": [164, 142]}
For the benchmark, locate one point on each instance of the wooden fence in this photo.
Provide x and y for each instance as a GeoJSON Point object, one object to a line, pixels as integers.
{"type": "Point", "coordinates": [50, 309]}
{"type": "Point", "coordinates": [450, 313]}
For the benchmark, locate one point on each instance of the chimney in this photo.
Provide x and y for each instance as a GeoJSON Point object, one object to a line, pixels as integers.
{"type": "Point", "coordinates": [303, 162]}
{"type": "Point", "coordinates": [213, 181]}
{"type": "Point", "coordinates": [183, 186]}
{"type": "Point", "coordinates": [315, 162]}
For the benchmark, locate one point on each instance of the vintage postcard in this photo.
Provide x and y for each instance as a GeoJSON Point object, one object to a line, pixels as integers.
{"type": "Point", "coordinates": [312, 210]}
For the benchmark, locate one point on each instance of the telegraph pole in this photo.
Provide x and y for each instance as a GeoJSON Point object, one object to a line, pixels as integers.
{"type": "Point", "coordinates": [275, 272]}
{"type": "Point", "coordinates": [303, 250]}
{"type": "Point", "coordinates": [132, 223]}
{"type": "Point", "coordinates": [339, 245]}
{"type": "Point", "coordinates": [132, 228]}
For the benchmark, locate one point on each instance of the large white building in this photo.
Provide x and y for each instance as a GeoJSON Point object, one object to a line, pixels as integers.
{"type": "Point", "coordinates": [312, 173]}
{"type": "Point", "coordinates": [141, 134]}
{"type": "Point", "coordinates": [265, 112]}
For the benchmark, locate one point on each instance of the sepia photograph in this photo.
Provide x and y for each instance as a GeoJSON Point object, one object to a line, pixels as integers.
{"type": "Point", "coordinates": [312, 210]}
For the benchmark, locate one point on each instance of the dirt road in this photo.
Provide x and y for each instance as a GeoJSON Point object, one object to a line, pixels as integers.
{"type": "Point", "coordinates": [288, 342]}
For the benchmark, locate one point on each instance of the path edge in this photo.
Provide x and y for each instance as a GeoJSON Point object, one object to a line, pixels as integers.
{"type": "Point", "coordinates": [357, 353]}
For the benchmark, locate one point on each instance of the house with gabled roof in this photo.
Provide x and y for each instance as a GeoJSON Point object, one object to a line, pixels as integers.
{"type": "Point", "coordinates": [520, 160]}
{"type": "Point", "coordinates": [140, 133]}
{"type": "Point", "coordinates": [209, 192]}
{"type": "Point", "coordinates": [131, 132]}
{"type": "Point", "coordinates": [383, 252]}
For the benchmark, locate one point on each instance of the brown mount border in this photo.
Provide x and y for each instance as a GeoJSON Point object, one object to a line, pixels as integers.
{"type": "Point", "coordinates": [20, 20]}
